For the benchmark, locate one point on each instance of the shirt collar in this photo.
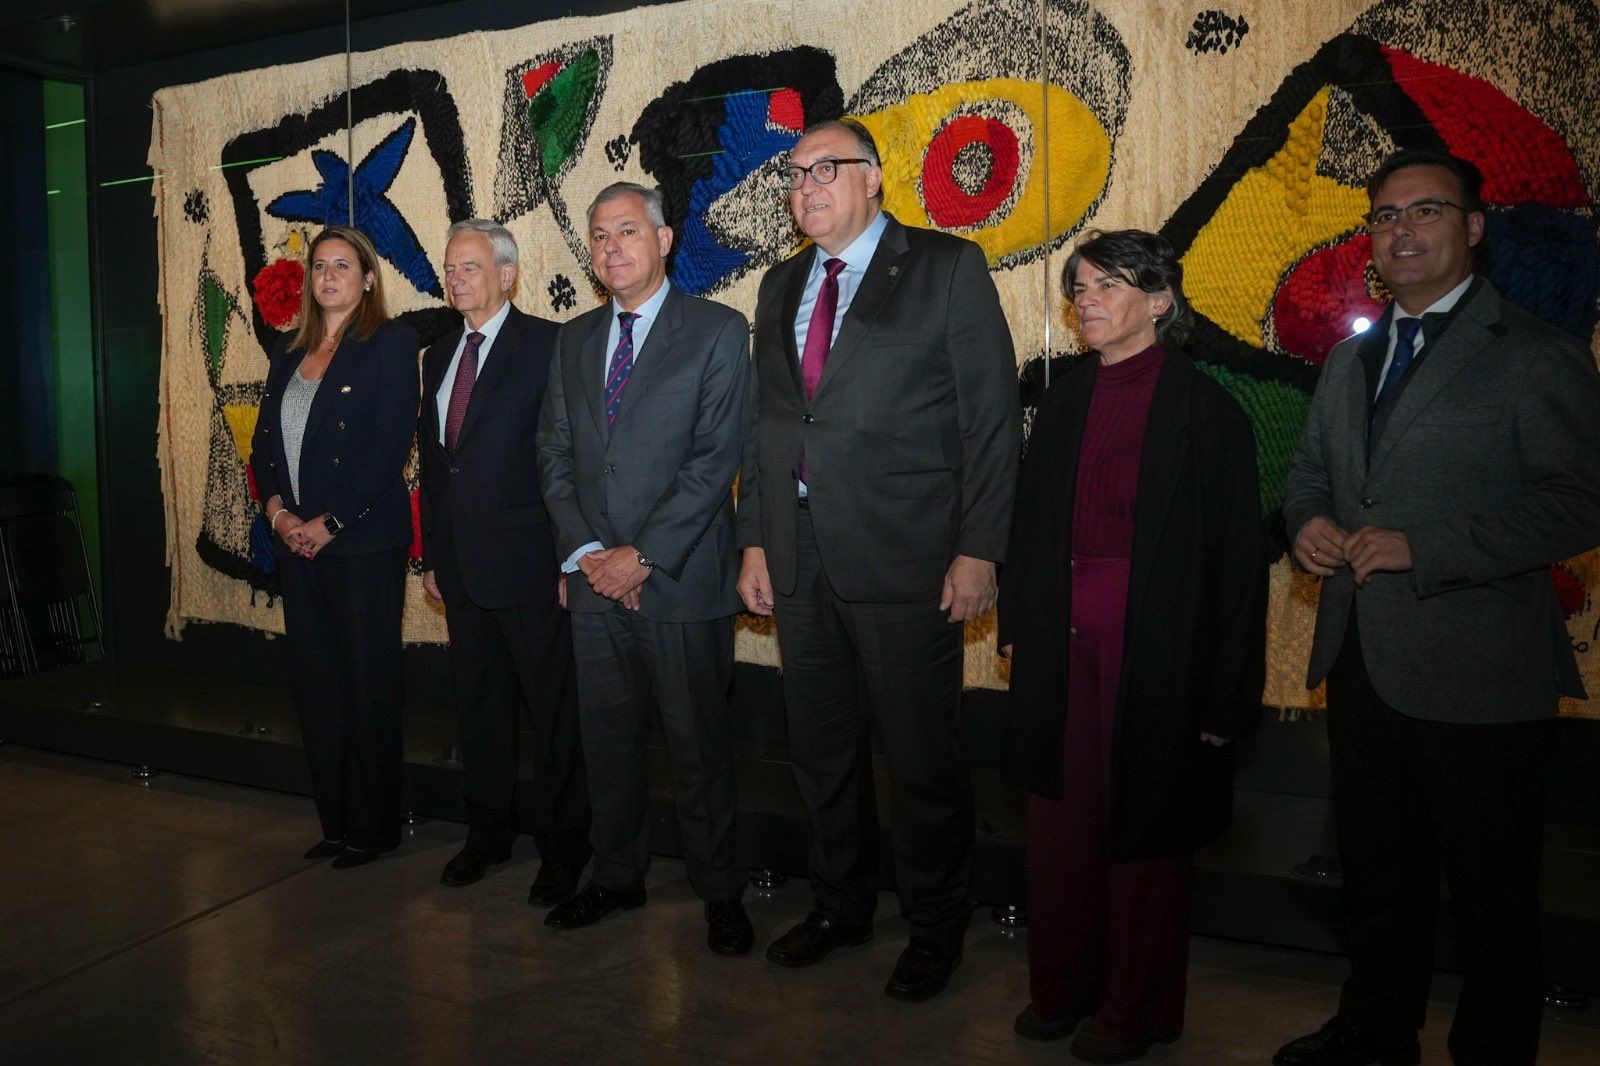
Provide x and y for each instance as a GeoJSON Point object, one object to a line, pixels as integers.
{"type": "Point", "coordinates": [858, 256]}
{"type": "Point", "coordinates": [492, 327]}
{"type": "Point", "coordinates": [1444, 304]}
{"type": "Point", "coordinates": [650, 308]}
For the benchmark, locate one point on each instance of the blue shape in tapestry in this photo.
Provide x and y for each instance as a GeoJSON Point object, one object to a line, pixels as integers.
{"type": "Point", "coordinates": [329, 202]}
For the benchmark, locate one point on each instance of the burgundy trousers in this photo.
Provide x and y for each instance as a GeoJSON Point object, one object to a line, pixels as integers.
{"type": "Point", "coordinates": [1104, 938]}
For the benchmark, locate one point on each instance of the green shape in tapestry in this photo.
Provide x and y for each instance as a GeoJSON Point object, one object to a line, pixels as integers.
{"type": "Point", "coordinates": [1277, 415]}
{"type": "Point", "coordinates": [217, 305]}
{"type": "Point", "coordinates": [557, 112]}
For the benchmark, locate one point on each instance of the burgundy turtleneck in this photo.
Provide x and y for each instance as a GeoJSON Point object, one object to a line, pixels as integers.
{"type": "Point", "coordinates": [1108, 463]}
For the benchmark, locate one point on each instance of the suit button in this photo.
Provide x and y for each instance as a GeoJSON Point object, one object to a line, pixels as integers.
{"type": "Point", "coordinates": [1072, 631]}
{"type": "Point", "coordinates": [341, 425]}
{"type": "Point", "coordinates": [604, 515]}
{"type": "Point", "coordinates": [336, 462]}
{"type": "Point", "coordinates": [272, 464]}
{"type": "Point", "coordinates": [1366, 501]}
{"type": "Point", "coordinates": [455, 470]}
{"type": "Point", "coordinates": [808, 418]}
{"type": "Point", "coordinates": [609, 469]}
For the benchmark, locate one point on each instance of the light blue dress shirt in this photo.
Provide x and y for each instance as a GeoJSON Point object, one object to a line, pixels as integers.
{"type": "Point", "coordinates": [857, 257]}
{"type": "Point", "coordinates": [447, 384]}
{"type": "Point", "coordinates": [647, 312]}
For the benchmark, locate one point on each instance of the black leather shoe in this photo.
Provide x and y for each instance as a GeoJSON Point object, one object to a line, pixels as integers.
{"type": "Point", "coordinates": [1098, 1042]}
{"type": "Point", "coordinates": [325, 850]}
{"type": "Point", "coordinates": [554, 883]}
{"type": "Point", "coordinates": [349, 857]}
{"type": "Point", "coordinates": [469, 865]}
{"type": "Point", "coordinates": [811, 940]}
{"type": "Point", "coordinates": [728, 929]}
{"type": "Point", "coordinates": [1339, 1043]}
{"type": "Point", "coordinates": [1029, 1024]}
{"type": "Point", "coordinates": [592, 904]}
{"type": "Point", "coordinates": [924, 969]}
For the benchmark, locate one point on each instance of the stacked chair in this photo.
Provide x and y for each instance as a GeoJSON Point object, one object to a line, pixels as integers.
{"type": "Point", "coordinates": [49, 614]}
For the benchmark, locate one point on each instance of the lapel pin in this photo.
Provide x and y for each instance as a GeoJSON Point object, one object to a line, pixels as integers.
{"type": "Point", "coordinates": [894, 271]}
{"type": "Point", "coordinates": [345, 389]}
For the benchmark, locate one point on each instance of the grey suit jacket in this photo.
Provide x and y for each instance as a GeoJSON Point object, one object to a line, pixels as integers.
{"type": "Point", "coordinates": [1487, 464]}
{"type": "Point", "coordinates": [912, 438]}
{"type": "Point", "coordinates": [661, 478]}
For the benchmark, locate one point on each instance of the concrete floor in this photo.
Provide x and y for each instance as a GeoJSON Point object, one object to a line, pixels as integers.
{"type": "Point", "coordinates": [174, 922]}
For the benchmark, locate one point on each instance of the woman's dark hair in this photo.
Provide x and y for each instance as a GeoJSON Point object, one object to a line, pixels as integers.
{"type": "Point", "coordinates": [1143, 259]}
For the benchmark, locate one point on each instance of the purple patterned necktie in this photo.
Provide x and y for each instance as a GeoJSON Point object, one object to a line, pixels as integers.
{"type": "Point", "coordinates": [819, 338]}
{"type": "Point", "coordinates": [621, 366]}
{"type": "Point", "coordinates": [461, 391]}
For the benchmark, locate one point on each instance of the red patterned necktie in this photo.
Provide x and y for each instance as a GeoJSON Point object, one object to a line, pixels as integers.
{"type": "Point", "coordinates": [461, 390]}
{"type": "Point", "coordinates": [621, 365]}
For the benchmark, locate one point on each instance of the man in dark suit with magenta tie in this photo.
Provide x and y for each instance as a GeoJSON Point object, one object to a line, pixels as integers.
{"type": "Point", "coordinates": [875, 503]}
{"type": "Point", "coordinates": [489, 555]}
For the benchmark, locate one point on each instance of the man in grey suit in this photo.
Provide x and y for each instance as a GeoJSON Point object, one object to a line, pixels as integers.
{"type": "Point", "coordinates": [875, 503]}
{"type": "Point", "coordinates": [1447, 462]}
{"type": "Point", "coordinates": [639, 443]}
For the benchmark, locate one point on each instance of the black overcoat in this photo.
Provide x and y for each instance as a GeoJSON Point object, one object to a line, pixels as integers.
{"type": "Point", "coordinates": [1194, 649]}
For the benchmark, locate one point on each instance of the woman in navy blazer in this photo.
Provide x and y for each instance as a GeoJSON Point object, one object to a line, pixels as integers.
{"type": "Point", "coordinates": [329, 454]}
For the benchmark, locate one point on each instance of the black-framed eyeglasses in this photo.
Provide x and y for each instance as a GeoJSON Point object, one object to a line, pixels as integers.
{"type": "Point", "coordinates": [823, 171]}
{"type": "Point", "coordinates": [1421, 213]}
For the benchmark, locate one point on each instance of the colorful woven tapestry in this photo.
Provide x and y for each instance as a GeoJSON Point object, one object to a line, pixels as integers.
{"type": "Point", "coordinates": [1242, 133]}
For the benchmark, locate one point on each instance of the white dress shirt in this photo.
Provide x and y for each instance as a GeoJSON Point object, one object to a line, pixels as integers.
{"type": "Point", "coordinates": [648, 312]}
{"type": "Point", "coordinates": [857, 257]}
{"type": "Point", "coordinates": [447, 384]}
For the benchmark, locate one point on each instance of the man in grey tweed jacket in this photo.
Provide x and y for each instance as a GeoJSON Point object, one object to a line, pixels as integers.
{"type": "Point", "coordinates": [1452, 454]}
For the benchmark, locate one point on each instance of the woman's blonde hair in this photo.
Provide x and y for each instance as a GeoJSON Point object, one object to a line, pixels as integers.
{"type": "Point", "coordinates": [367, 316]}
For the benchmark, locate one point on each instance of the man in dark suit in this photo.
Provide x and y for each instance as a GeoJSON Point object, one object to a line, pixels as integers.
{"type": "Point", "coordinates": [489, 555]}
{"type": "Point", "coordinates": [639, 443]}
{"type": "Point", "coordinates": [875, 503]}
{"type": "Point", "coordinates": [1447, 462]}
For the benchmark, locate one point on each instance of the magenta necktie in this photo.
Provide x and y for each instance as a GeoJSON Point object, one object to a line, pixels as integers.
{"type": "Point", "coordinates": [461, 390]}
{"type": "Point", "coordinates": [819, 338]}
{"type": "Point", "coordinates": [819, 332]}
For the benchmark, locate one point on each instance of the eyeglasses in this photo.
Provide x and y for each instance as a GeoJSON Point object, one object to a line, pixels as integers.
{"type": "Point", "coordinates": [823, 171]}
{"type": "Point", "coordinates": [1421, 213]}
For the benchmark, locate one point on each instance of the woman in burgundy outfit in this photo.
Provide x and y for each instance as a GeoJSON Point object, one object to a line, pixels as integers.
{"type": "Point", "coordinates": [1133, 606]}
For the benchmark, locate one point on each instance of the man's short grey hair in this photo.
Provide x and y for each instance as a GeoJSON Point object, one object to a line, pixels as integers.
{"type": "Point", "coordinates": [653, 204]}
{"type": "Point", "coordinates": [505, 245]}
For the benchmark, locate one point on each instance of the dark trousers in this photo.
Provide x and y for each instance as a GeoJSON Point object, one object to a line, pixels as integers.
{"type": "Point", "coordinates": [1410, 796]}
{"type": "Point", "coordinates": [628, 666]}
{"type": "Point", "coordinates": [909, 655]}
{"type": "Point", "coordinates": [341, 615]}
{"type": "Point", "coordinates": [502, 661]}
{"type": "Point", "coordinates": [1104, 938]}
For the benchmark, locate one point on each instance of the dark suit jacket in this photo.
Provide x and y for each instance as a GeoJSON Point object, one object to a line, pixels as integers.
{"type": "Point", "coordinates": [661, 478]}
{"type": "Point", "coordinates": [1487, 463]}
{"type": "Point", "coordinates": [357, 440]}
{"type": "Point", "coordinates": [911, 440]}
{"type": "Point", "coordinates": [1194, 657]}
{"type": "Point", "coordinates": [485, 532]}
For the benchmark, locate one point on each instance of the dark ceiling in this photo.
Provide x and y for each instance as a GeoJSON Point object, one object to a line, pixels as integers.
{"type": "Point", "coordinates": [76, 37]}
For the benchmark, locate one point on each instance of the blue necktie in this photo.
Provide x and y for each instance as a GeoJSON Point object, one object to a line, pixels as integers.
{"type": "Point", "coordinates": [621, 366]}
{"type": "Point", "coordinates": [1405, 350]}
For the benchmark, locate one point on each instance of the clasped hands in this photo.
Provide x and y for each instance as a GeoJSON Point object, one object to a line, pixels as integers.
{"type": "Point", "coordinates": [969, 591]}
{"type": "Point", "coordinates": [615, 573]}
{"type": "Point", "coordinates": [1322, 547]}
{"type": "Point", "coordinates": [304, 538]}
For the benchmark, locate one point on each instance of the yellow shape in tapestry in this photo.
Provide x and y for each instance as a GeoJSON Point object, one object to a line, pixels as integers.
{"type": "Point", "coordinates": [242, 420]}
{"type": "Point", "coordinates": [1274, 215]}
{"type": "Point", "coordinates": [986, 134]}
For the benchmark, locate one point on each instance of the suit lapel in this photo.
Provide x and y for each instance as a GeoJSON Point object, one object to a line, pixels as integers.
{"type": "Point", "coordinates": [1161, 460]}
{"type": "Point", "coordinates": [593, 357]}
{"type": "Point", "coordinates": [438, 365]}
{"type": "Point", "coordinates": [648, 359]}
{"type": "Point", "coordinates": [793, 288]}
{"type": "Point", "coordinates": [335, 379]}
{"type": "Point", "coordinates": [1363, 386]}
{"type": "Point", "coordinates": [1079, 386]}
{"type": "Point", "coordinates": [1466, 339]}
{"type": "Point", "coordinates": [888, 266]}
